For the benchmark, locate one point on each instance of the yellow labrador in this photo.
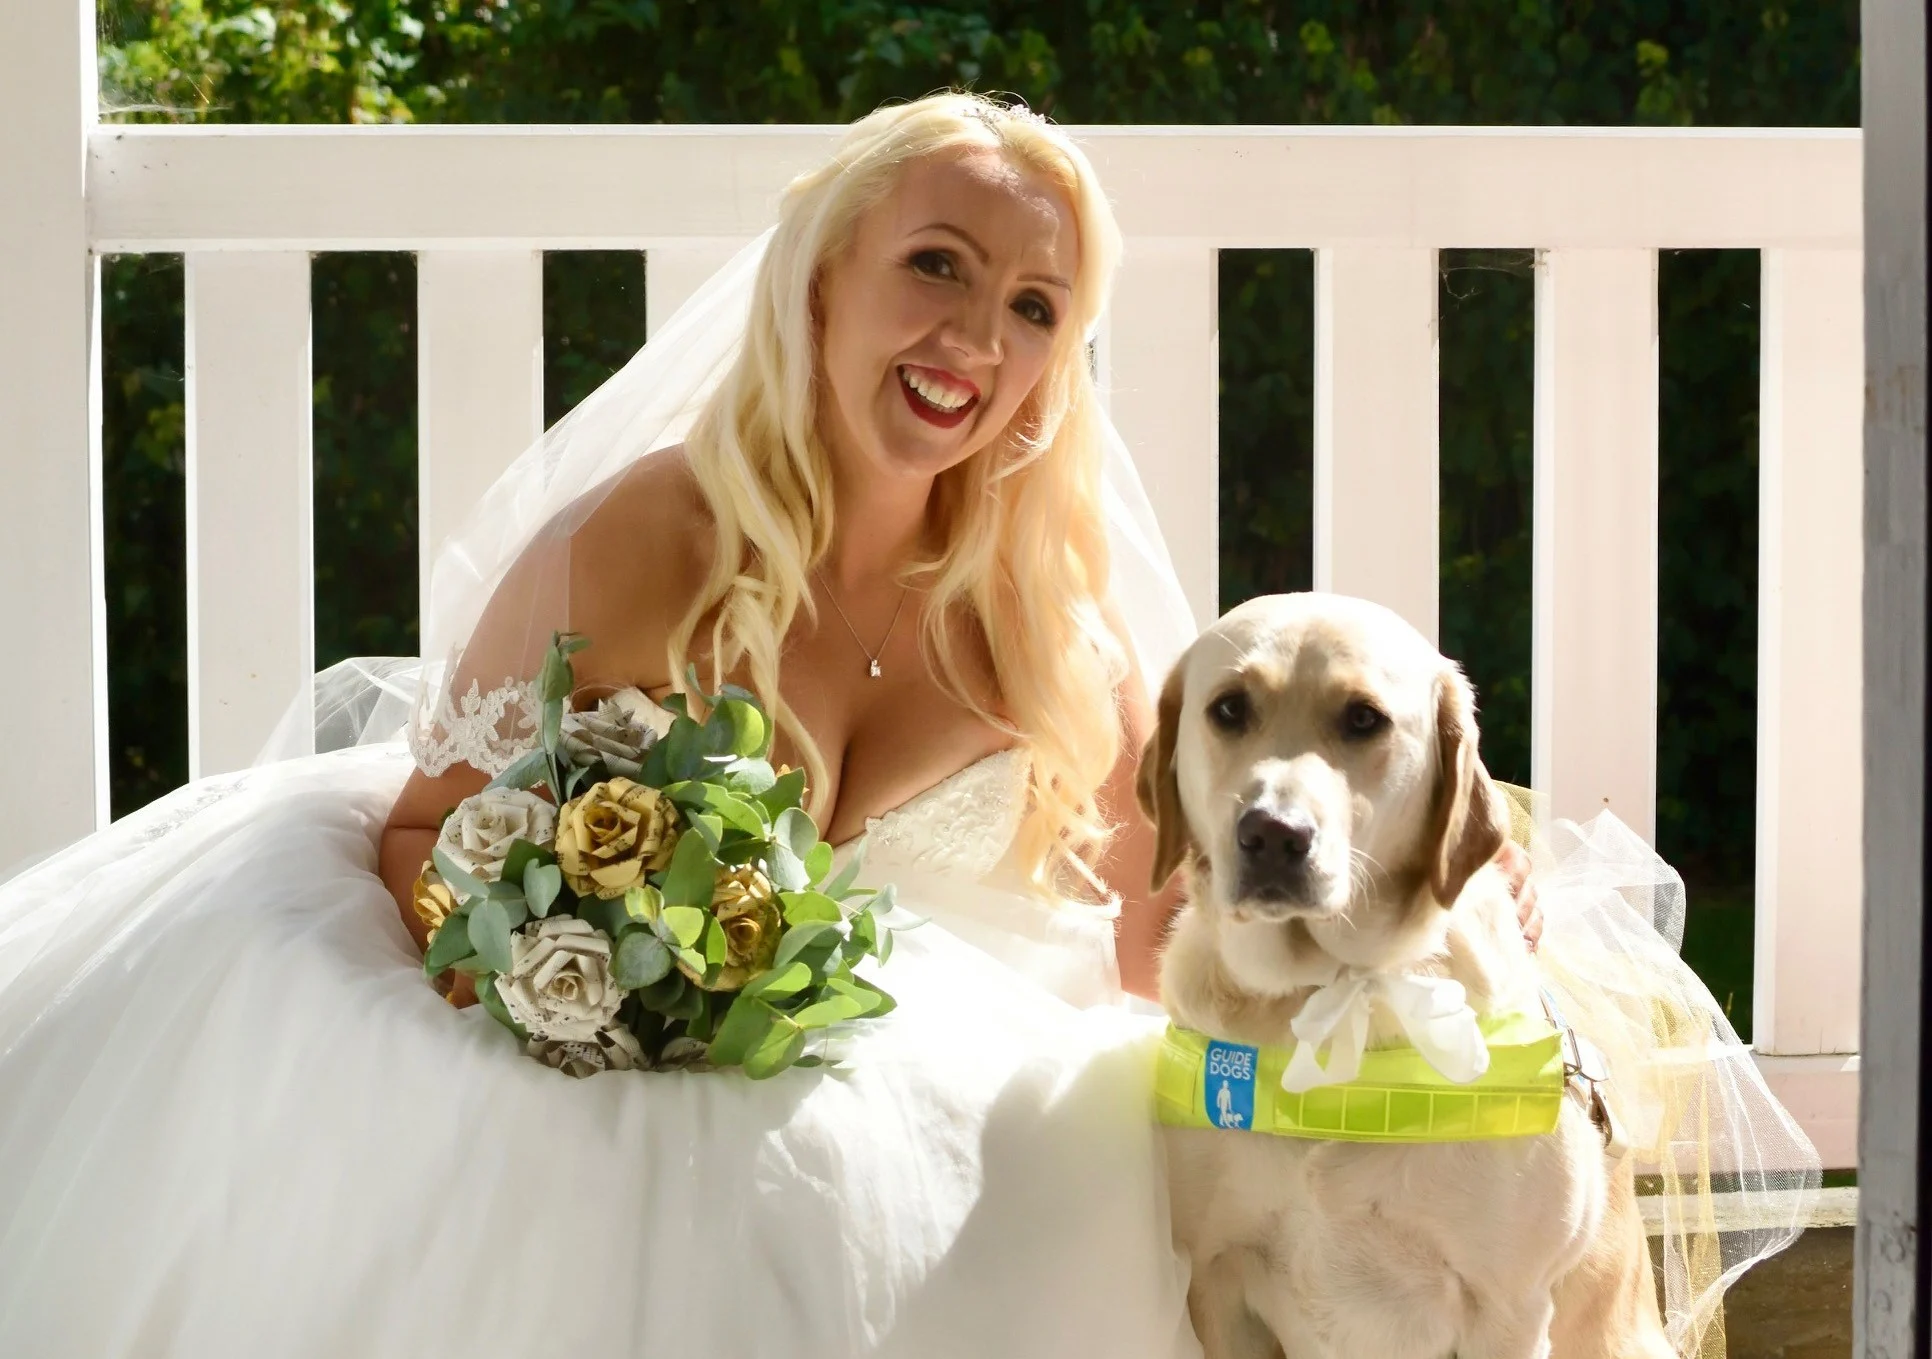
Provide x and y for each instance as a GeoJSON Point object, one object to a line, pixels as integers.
{"type": "Point", "coordinates": [1315, 771]}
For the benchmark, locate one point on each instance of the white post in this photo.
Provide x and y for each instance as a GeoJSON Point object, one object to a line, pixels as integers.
{"type": "Point", "coordinates": [672, 273]}
{"type": "Point", "coordinates": [51, 595]}
{"type": "Point", "coordinates": [1593, 688]}
{"type": "Point", "coordinates": [1377, 486]}
{"type": "Point", "coordinates": [1893, 1141]}
{"type": "Point", "coordinates": [479, 383]}
{"type": "Point", "coordinates": [1811, 514]}
{"type": "Point", "coordinates": [251, 495]}
{"type": "Point", "coordinates": [1160, 371]}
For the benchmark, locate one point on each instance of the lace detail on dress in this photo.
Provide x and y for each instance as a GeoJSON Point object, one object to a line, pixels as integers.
{"type": "Point", "coordinates": [962, 826]}
{"type": "Point", "coordinates": [488, 731]}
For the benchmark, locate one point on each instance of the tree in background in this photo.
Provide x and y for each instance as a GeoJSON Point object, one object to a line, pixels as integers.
{"type": "Point", "coordinates": [1609, 62]}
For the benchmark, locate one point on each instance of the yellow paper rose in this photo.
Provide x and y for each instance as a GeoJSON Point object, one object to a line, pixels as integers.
{"type": "Point", "coordinates": [432, 898]}
{"type": "Point", "coordinates": [745, 904]}
{"type": "Point", "coordinates": [613, 835]}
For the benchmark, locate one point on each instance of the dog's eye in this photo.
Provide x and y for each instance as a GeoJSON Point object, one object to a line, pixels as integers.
{"type": "Point", "coordinates": [1361, 719]}
{"type": "Point", "coordinates": [1230, 712]}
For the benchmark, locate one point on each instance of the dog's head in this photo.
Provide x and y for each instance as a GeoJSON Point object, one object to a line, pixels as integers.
{"type": "Point", "coordinates": [1316, 758]}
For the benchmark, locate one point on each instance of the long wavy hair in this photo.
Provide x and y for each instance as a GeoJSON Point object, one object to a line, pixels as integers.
{"type": "Point", "coordinates": [1019, 534]}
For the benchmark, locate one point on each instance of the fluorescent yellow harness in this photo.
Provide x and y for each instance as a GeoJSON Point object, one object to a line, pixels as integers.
{"type": "Point", "coordinates": [1398, 1096]}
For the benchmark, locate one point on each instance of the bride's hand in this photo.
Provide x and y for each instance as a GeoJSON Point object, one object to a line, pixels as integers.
{"type": "Point", "coordinates": [458, 988]}
{"type": "Point", "coordinates": [1515, 864]}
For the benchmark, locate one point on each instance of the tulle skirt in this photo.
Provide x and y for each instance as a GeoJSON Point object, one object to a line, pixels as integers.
{"type": "Point", "coordinates": [235, 1120]}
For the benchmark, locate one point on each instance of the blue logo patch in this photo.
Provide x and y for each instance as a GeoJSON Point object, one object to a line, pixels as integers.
{"type": "Point", "coordinates": [1228, 1091]}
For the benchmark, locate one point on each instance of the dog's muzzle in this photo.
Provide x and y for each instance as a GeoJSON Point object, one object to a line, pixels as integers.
{"type": "Point", "coordinates": [1274, 847]}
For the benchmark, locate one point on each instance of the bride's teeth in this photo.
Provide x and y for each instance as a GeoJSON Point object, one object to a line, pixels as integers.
{"type": "Point", "coordinates": [932, 393]}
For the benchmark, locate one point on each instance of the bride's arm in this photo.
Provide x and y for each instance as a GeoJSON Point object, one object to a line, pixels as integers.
{"type": "Point", "coordinates": [1128, 864]}
{"type": "Point", "coordinates": [632, 568]}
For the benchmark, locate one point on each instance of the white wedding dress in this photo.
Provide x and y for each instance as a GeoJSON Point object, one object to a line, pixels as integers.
{"type": "Point", "coordinates": [235, 1120]}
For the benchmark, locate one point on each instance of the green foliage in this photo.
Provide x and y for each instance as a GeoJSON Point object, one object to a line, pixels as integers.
{"type": "Point", "coordinates": [1610, 62]}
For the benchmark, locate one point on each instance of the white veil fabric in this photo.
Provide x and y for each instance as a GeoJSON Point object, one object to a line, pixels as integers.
{"type": "Point", "coordinates": [1731, 1173]}
{"type": "Point", "coordinates": [549, 490]}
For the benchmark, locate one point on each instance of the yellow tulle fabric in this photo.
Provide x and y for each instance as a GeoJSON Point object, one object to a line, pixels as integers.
{"type": "Point", "coordinates": [1725, 1174]}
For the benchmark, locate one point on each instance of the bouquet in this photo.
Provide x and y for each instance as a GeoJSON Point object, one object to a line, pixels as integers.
{"type": "Point", "coordinates": [627, 900]}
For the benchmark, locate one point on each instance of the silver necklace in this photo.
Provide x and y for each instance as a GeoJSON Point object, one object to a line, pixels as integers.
{"type": "Point", "coordinates": [872, 657]}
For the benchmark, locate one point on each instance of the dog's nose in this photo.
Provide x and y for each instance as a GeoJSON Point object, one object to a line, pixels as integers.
{"type": "Point", "coordinates": [1282, 839]}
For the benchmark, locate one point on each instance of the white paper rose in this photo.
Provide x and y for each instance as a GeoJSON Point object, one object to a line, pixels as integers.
{"type": "Point", "coordinates": [612, 733]}
{"type": "Point", "coordinates": [559, 985]}
{"type": "Point", "coordinates": [479, 833]}
{"type": "Point", "coordinates": [614, 1049]}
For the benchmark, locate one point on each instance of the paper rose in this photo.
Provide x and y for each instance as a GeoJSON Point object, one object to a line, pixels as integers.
{"type": "Point", "coordinates": [746, 906]}
{"type": "Point", "coordinates": [612, 733]}
{"type": "Point", "coordinates": [432, 898]}
{"type": "Point", "coordinates": [613, 1049]}
{"type": "Point", "coordinates": [479, 833]}
{"type": "Point", "coordinates": [559, 986]}
{"type": "Point", "coordinates": [608, 839]}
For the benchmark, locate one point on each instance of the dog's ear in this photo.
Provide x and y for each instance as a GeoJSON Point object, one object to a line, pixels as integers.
{"type": "Point", "coordinates": [1470, 822]}
{"type": "Point", "coordinates": [1156, 788]}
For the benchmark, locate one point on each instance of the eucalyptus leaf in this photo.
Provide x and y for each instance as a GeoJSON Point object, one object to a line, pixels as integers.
{"type": "Point", "coordinates": [542, 884]}
{"type": "Point", "coordinates": [641, 960]}
{"type": "Point", "coordinates": [780, 983]}
{"type": "Point", "coordinates": [461, 880]}
{"type": "Point", "coordinates": [785, 869]}
{"type": "Point", "coordinates": [783, 1044]}
{"type": "Point", "coordinates": [710, 828]}
{"type": "Point", "coordinates": [643, 904]}
{"type": "Point", "coordinates": [490, 934]}
{"type": "Point", "coordinates": [795, 829]}
{"type": "Point", "coordinates": [492, 1000]}
{"type": "Point", "coordinates": [663, 993]}
{"type": "Point", "coordinates": [749, 778]}
{"type": "Point", "coordinates": [450, 942]}
{"type": "Point", "coordinates": [522, 854]}
{"type": "Point", "coordinates": [834, 1009]}
{"type": "Point", "coordinates": [800, 907]}
{"type": "Point", "coordinates": [745, 1025]}
{"type": "Point", "coordinates": [686, 924]}
{"type": "Point", "coordinates": [838, 888]}
{"type": "Point", "coordinates": [524, 772]}
{"type": "Point", "coordinates": [819, 862]}
{"type": "Point", "coordinates": [883, 901]}
{"type": "Point", "coordinates": [715, 947]}
{"type": "Point", "coordinates": [886, 1003]}
{"type": "Point", "coordinates": [692, 875]}
{"type": "Point", "coordinates": [801, 937]}
{"type": "Point", "coordinates": [786, 793]}
{"type": "Point", "coordinates": [737, 727]}
{"type": "Point", "coordinates": [556, 680]}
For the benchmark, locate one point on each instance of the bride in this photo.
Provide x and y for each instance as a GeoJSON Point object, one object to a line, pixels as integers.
{"type": "Point", "coordinates": [864, 474]}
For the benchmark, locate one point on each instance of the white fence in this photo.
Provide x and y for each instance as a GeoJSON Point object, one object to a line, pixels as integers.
{"type": "Point", "coordinates": [246, 206]}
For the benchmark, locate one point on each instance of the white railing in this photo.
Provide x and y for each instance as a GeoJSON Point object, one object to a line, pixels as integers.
{"type": "Point", "coordinates": [246, 205]}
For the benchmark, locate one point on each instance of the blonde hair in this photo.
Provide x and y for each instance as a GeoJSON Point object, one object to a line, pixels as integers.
{"type": "Point", "coordinates": [1021, 537]}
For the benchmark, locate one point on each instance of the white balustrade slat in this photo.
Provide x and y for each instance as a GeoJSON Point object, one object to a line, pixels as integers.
{"type": "Point", "coordinates": [673, 272]}
{"type": "Point", "coordinates": [51, 598]}
{"type": "Point", "coordinates": [1377, 491]}
{"type": "Point", "coordinates": [1160, 373]}
{"type": "Point", "coordinates": [251, 558]}
{"type": "Point", "coordinates": [1593, 702]}
{"type": "Point", "coordinates": [1810, 573]}
{"type": "Point", "coordinates": [236, 187]}
{"type": "Point", "coordinates": [479, 382]}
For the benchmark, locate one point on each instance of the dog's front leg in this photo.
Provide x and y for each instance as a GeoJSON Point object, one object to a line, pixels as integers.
{"type": "Point", "coordinates": [1217, 1303]}
{"type": "Point", "coordinates": [1517, 1328]}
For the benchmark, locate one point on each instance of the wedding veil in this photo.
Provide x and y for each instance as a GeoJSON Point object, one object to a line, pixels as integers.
{"type": "Point", "coordinates": [505, 546]}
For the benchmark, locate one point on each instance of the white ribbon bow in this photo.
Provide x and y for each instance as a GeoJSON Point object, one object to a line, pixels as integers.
{"type": "Point", "coordinates": [1433, 1011]}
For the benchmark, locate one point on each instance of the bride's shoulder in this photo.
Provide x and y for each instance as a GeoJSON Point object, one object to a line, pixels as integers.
{"type": "Point", "coordinates": [638, 559]}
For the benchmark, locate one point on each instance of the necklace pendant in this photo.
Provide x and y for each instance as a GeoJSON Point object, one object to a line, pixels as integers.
{"type": "Point", "coordinates": [876, 672]}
